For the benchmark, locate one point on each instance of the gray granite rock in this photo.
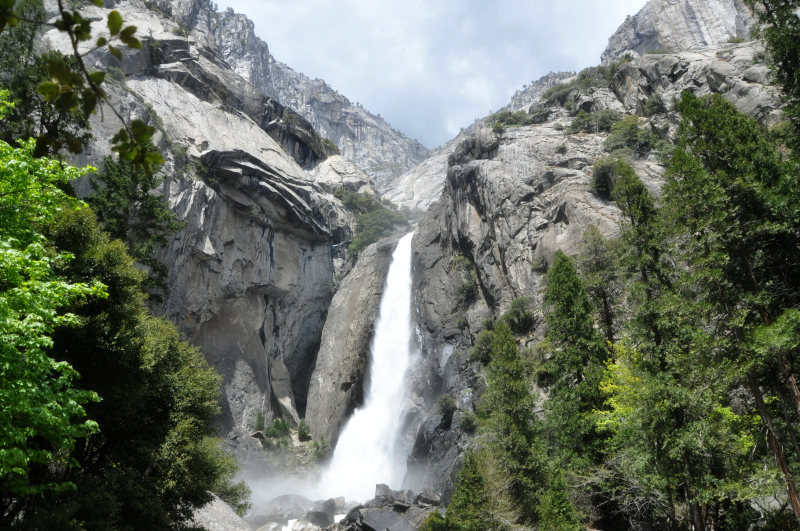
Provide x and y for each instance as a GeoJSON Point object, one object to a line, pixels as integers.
{"type": "Point", "coordinates": [337, 384]}
{"type": "Point", "coordinates": [679, 25]}
{"type": "Point", "coordinates": [218, 516]}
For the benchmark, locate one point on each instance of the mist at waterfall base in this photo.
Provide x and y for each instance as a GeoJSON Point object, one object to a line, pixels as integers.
{"type": "Point", "coordinates": [369, 450]}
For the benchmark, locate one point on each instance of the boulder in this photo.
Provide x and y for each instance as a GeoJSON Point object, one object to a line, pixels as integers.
{"type": "Point", "coordinates": [319, 518]}
{"type": "Point", "coordinates": [219, 516]}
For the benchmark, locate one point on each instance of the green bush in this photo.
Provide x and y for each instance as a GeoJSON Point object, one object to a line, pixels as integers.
{"type": "Point", "coordinates": [594, 76]}
{"type": "Point", "coordinates": [331, 144]}
{"type": "Point", "coordinates": [434, 522]}
{"type": "Point", "coordinates": [736, 40]}
{"type": "Point", "coordinates": [260, 426]}
{"type": "Point", "coordinates": [519, 317]}
{"type": "Point", "coordinates": [468, 289]}
{"type": "Point", "coordinates": [321, 449]}
{"type": "Point", "coordinates": [446, 406]}
{"type": "Point", "coordinates": [510, 119]}
{"type": "Point", "coordinates": [603, 173]}
{"type": "Point", "coordinates": [303, 432]}
{"type": "Point", "coordinates": [279, 428]}
{"type": "Point", "coordinates": [482, 350]}
{"type": "Point", "coordinates": [594, 122]}
{"type": "Point", "coordinates": [562, 149]}
{"type": "Point", "coordinates": [469, 421]}
{"type": "Point", "coordinates": [373, 226]}
{"type": "Point", "coordinates": [488, 324]}
{"type": "Point", "coordinates": [628, 134]}
{"type": "Point", "coordinates": [653, 105]}
{"type": "Point", "coordinates": [357, 203]}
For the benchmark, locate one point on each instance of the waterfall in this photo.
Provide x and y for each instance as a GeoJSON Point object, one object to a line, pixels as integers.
{"type": "Point", "coordinates": [369, 450]}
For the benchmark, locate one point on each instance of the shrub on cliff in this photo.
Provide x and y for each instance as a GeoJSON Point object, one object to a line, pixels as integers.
{"type": "Point", "coordinates": [373, 226]}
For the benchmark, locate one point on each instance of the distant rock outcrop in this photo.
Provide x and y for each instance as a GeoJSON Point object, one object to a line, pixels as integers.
{"type": "Point", "coordinates": [679, 25]}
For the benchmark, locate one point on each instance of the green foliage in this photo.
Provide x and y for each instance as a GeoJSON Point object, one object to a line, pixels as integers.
{"type": "Point", "coordinates": [470, 506]}
{"type": "Point", "coordinates": [603, 176]}
{"type": "Point", "coordinates": [373, 226]}
{"type": "Point", "coordinates": [482, 350]}
{"type": "Point", "coordinates": [165, 449]}
{"type": "Point", "coordinates": [628, 133]}
{"type": "Point", "coordinates": [594, 76]}
{"type": "Point", "coordinates": [468, 422]}
{"type": "Point", "coordinates": [561, 149]}
{"type": "Point", "coordinates": [303, 431]}
{"type": "Point", "coordinates": [520, 317]}
{"type": "Point", "coordinates": [598, 121]}
{"type": "Point", "coordinates": [446, 406]}
{"type": "Point", "coordinates": [279, 429]}
{"type": "Point", "coordinates": [332, 145]}
{"type": "Point", "coordinates": [41, 409]}
{"type": "Point", "coordinates": [504, 119]}
{"type": "Point", "coordinates": [357, 203]}
{"type": "Point", "coordinates": [557, 513]}
{"type": "Point", "coordinates": [320, 450]}
{"type": "Point", "coordinates": [434, 522]}
{"type": "Point", "coordinates": [125, 204]}
{"type": "Point", "coordinates": [510, 424]}
{"type": "Point", "coordinates": [260, 425]}
{"type": "Point", "coordinates": [653, 105]}
{"type": "Point", "coordinates": [71, 88]}
{"type": "Point", "coordinates": [600, 275]}
{"type": "Point", "coordinates": [576, 367]}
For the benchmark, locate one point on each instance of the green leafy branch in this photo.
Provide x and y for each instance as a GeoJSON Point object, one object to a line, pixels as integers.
{"type": "Point", "coordinates": [79, 90]}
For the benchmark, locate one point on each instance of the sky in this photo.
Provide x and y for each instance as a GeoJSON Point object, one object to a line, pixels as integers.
{"type": "Point", "coordinates": [431, 67]}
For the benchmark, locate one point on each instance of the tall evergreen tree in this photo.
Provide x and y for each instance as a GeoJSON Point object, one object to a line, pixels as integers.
{"type": "Point", "coordinates": [598, 269]}
{"type": "Point", "coordinates": [510, 426]}
{"type": "Point", "coordinates": [469, 508]}
{"type": "Point", "coordinates": [577, 367]}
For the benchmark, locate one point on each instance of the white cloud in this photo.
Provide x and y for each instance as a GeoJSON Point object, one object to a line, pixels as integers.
{"type": "Point", "coordinates": [430, 67]}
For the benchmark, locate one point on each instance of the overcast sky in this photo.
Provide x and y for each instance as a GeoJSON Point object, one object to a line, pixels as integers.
{"type": "Point", "coordinates": [430, 67]}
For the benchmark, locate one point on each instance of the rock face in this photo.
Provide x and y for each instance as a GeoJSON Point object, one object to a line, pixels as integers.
{"type": "Point", "coordinates": [510, 201]}
{"type": "Point", "coordinates": [218, 516]}
{"type": "Point", "coordinates": [366, 139]}
{"type": "Point", "coordinates": [422, 185]}
{"type": "Point", "coordinates": [251, 274]}
{"type": "Point", "coordinates": [679, 25]}
{"type": "Point", "coordinates": [338, 382]}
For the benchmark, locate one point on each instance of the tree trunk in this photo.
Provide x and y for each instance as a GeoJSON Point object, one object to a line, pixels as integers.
{"type": "Point", "coordinates": [772, 435]}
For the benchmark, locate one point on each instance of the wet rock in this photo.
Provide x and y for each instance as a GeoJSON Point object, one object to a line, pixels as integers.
{"type": "Point", "coordinates": [337, 383]}
{"type": "Point", "coordinates": [325, 506]}
{"type": "Point", "coordinates": [319, 518]}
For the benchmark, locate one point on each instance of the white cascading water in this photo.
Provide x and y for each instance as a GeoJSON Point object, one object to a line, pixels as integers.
{"type": "Point", "coordinates": [369, 451]}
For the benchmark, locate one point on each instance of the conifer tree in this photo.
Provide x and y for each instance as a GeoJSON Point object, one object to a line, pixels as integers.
{"type": "Point", "coordinates": [598, 269]}
{"type": "Point", "coordinates": [510, 426]}
{"type": "Point", "coordinates": [576, 368]}
{"type": "Point", "coordinates": [469, 508]}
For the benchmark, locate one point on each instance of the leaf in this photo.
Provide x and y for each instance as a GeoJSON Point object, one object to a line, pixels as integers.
{"type": "Point", "coordinates": [43, 143]}
{"type": "Point", "coordinates": [98, 3]}
{"type": "Point", "coordinates": [89, 102]}
{"type": "Point", "coordinates": [128, 31]}
{"type": "Point", "coordinates": [48, 89]}
{"type": "Point", "coordinates": [115, 52]}
{"type": "Point", "coordinates": [97, 77]}
{"type": "Point", "coordinates": [102, 41]}
{"type": "Point", "coordinates": [132, 42]}
{"type": "Point", "coordinates": [114, 22]}
{"type": "Point", "coordinates": [74, 145]}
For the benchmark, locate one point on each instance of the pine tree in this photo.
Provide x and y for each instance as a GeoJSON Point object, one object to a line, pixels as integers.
{"type": "Point", "coordinates": [576, 368]}
{"type": "Point", "coordinates": [598, 269]}
{"type": "Point", "coordinates": [469, 508]}
{"type": "Point", "coordinates": [510, 426]}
